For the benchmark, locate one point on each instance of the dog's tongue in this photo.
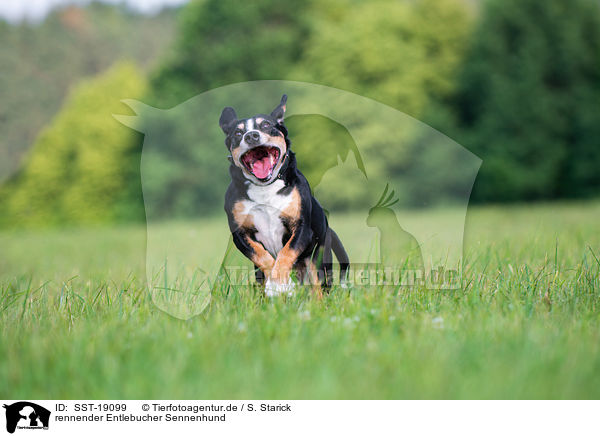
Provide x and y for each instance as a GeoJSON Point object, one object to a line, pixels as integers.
{"type": "Point", "coordinates": [261, 167]}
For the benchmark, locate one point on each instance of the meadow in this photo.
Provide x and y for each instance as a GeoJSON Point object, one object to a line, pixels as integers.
{"type": "Point", "coordinates": [77, 322]}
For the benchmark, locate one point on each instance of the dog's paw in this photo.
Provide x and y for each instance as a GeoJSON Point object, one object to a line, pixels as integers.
{"type": "Point", "coordinates": [274, 289]}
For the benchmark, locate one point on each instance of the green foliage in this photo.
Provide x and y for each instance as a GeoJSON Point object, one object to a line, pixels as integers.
{"type": "Point", "coordinates": [185, 166]}
{"type": "Point", "coordinates": [520, 91]}
{"type": "Point", "coordinates": [84, 167]}
{"type": "Point", "coordinates": [403, 54]}
{"type": "Point", "coordinates": [225, 41]}
{"type": "Point", "coordinates": [42, 61]}
{"type": "Point", "coordinates": [527, 99]}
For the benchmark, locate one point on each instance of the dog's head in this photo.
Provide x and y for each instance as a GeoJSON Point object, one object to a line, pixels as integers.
{"type": "Point", "coordinates": [259, 144]}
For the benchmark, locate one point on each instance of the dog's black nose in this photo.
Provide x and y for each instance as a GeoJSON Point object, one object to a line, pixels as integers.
{"type": "Point", "coordinates": [252, 138]}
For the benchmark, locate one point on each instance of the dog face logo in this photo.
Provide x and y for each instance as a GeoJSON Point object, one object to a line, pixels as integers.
{"type": "Point", "coordinates": [258, 145]}
{"type": "Point", "coordinates": [26, 415]}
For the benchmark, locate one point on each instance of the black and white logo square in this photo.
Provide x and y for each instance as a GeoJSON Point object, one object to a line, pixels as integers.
{"type": "Point", "coordinates": [26, 415]}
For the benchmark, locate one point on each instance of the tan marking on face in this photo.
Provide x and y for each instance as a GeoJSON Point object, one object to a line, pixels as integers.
{"type": "Point", "coordinates": [241, 218]}
{"type": "Point", "coordinates": [292, 210]}
{"type": "Point", "coordinates": [278, 141]}
{"type": "Point", "coordinates": [240, 125]}
{"type": "Point", "coordinates": [259, 120]}
{"type": "Point", "coordinates": [236, 154]}
{"type": "Point", "coordinates": [261, 257]}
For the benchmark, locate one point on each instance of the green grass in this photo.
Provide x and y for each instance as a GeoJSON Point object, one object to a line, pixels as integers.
{"type": "Point", "coordinates": [77, 322]}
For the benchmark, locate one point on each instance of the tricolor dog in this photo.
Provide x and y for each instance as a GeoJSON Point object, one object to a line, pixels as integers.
{"type": "Point", "coordinates": [274, 219]}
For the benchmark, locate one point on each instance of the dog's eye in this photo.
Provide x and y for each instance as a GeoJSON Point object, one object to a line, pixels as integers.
{"type": "Point", "coordinates": [265, 125]}
{"type": "Point", "coordinates": [238, 133]}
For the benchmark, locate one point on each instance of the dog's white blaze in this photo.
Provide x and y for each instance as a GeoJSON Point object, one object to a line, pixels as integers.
{"type": "Point", "coordinates": [265, 205]}
{"type": "Point", "coordinates": [250, 126]}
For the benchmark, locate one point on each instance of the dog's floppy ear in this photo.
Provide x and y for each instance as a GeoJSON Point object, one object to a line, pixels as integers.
{"type": "Point", "coordinates": [279, 111]}
{"type": "Point", "coordinates": [228, 118]}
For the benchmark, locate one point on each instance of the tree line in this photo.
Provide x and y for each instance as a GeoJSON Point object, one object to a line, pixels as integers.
{"type": "Point", "coordinates": [517, 82]}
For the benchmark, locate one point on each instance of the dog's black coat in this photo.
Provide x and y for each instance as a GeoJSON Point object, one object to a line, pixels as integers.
{"type": "Point", "coordinates": [274, 219]}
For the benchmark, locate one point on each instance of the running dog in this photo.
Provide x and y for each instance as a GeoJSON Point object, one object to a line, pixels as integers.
{"type": "Point", "coordinates": [273, 217]}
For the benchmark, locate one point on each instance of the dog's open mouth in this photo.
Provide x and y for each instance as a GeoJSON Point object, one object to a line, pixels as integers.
{"type": "Point", "coordinates": [261, 160]}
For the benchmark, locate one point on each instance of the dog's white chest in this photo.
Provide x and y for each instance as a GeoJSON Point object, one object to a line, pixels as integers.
{"type": "Point", "coordinates": [265, 206]}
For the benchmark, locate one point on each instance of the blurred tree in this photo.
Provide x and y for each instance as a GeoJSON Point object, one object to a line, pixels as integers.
{"type": "Point", "coordinates": [84, 167]}
{"type": "Point", "coordinates": [225, 41]}
{"type": "Point", "coordinates": [41, 61]}
{"type": "Point", "coordinates": [527, 99]}
{"type": "Point", "coordinates": [402, 53]}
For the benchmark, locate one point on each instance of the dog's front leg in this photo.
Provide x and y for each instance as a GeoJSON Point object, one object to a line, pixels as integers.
{"type": "Point", "coordinates": [280, 281]}
{"type": "Point", "coordinates": [254, 251]}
